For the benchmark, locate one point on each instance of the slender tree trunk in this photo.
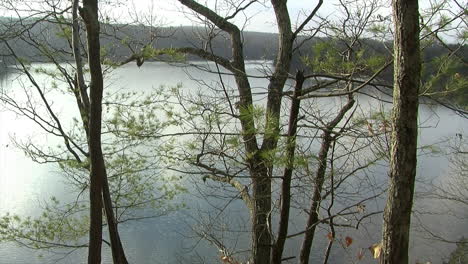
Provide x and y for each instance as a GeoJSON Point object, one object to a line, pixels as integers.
{"type": "Point", "coordinates": [278, 248]}
{"type": "Point", "coordinates": [89, 13]}
{"type": "Point", "coordinates": [118, 253]}
{"type": "Point", "coordinates": [313, 219]}
{"type": "Point", "coordinates": [99, 187]}
{"type": "Point", "coordinates": [80, 82]}
{"type": "Point", "coordinates": [397, 215]}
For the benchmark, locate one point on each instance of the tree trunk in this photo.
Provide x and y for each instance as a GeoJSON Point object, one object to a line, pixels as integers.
{"type": "Point", "coordinates": [261, 218]}
{"type": "Point", "coordinates": [89, 13]}
{"type": "Point", "coordinates": [99, 186]}
{"type": "Point", "coordinates": [397, 215]}
{"type": "Point", "coordinates": [262, 239]}
{"type": "Point", "coordinates": [283, 225]}
{"type": "Point", "coordinates": [313, 219]}
{"type": "Point", "coordinates": [118, 253]}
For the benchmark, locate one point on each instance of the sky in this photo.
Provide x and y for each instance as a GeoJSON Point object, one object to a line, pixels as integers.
{"type": "Point", "coordinates": [261, 17]}
{"type": "Point", "coordinates": [258, 17]}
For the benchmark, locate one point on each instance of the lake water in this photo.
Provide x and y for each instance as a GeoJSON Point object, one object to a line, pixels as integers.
{"type": "Point", "coordinates": [24, 185]}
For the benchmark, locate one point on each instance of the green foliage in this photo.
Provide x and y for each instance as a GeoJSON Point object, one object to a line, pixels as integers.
{"type": "Point", "coordinates": [134, 120]}
{"type": "Point", "coordinates": [74, 164]}
{"type": "Point", "coordinates": [53, 73]}
{"type": "Point", "coordinates": [446, 77]}
{"type": "Point", "coordinates": [258, 114]}
{"type": "Point", "coordinates": [59, 226]}
{"type": "Point", "coordinates": [463, 35]}
{"type": "Point", "coordinates": [329, 57]}
{"type": "Point", "coordinates": [138, 117]}
{"type": "Point", "coordinates": [377, 28]}
{"type": "Point", "coordinates": [24, 61]}
{"type": "Point", "coordinates": [65, 33]}
{"type": "Point", "coordinates": [139, 186]}
{"type": "Point", "coordinates": [125, 41]}
{"type": "Point", "coordinates": [104, 54]}
{"type": "Point", "coordinates": [460, 254]}
{"type": "Point", "coordinates": [134, 180]}
{"type": "Point", "coordinates": [172, 53]}
{"type": "Point", "coordinates": [233, 141]}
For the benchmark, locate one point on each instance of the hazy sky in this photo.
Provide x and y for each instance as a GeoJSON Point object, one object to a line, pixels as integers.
{"type": "Point", "coordinates": [261, 16]}
{"type": "Point", "coordinates": [257, 17]}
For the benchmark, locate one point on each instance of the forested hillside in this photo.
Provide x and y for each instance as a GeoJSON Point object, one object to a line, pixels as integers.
{"type": "Point", "coordinates": [122, 41]}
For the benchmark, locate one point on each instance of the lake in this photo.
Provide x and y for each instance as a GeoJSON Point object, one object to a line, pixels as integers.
{"type": "Point", "coordinates": [25, 185]}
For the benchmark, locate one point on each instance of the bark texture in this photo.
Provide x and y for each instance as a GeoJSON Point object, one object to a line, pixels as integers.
{"type": "Point", "coordinates": [89, 12]}
{"type": "Point", "coordinates": [99, 186]}
{"type": "Point", "coordinates": [397, 215]}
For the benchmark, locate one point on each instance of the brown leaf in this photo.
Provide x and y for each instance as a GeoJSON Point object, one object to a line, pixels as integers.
{"type": "Point", "coordinates": [376, 250]}
{"type": "Point", "coordinates": [361, 208]}
{"type": "Point", "coordinates": [370, 129]}
{"type": "Point", "coordinates": [225, 259]}
{"type": "Point", "coordinates": [348, 241]}
{"type": "Point", "coordinates": [330, 236]}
